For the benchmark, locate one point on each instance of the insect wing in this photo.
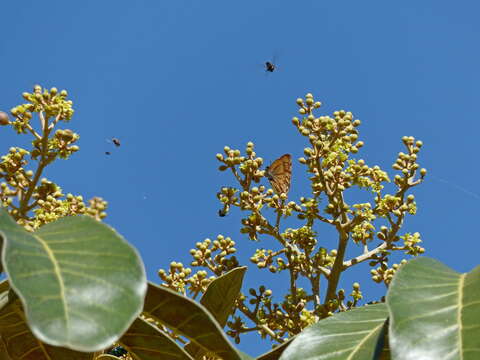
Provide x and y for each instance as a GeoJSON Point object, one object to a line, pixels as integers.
{"type": "Point", "coordinates": [279, 174]}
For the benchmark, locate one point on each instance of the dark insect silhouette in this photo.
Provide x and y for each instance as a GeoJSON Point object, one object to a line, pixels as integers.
{"type": "Point", "coordinates": [107, 153]}
{"type": "Point", "coordinates": [117, 351]}
{"type": "Point", "coordinates": [116, 142]}
{"type": "Point", "coordinates": [270, 66]}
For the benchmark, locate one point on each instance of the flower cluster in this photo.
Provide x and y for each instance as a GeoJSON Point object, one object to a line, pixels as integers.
{"type": "Point", "coordinates": [300, 254]}
{"type": "Point", "coordinates": [32, 200]}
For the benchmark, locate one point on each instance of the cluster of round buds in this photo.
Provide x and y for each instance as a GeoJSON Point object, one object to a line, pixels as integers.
{"type": "Point", "coordinates": [263, 295]}
{"type": "Point", "coordinates": [407, 163]}
{"type": "Point", "coordinates": [227, 196]}
{"type": "Point", "coordinates": [252, 225]}
{"type": "Point", "coordinates": [306, 106]}
{"type": "Point", "coordinates": [385, 274]}
{"type": "Point", "coordinates": [63, 141]}
{"type": "Point", "coordinates": [237, 327]}
{"type": "Point", "coordinates": [323, 258]}
{"type": "Point", "coordinates": [310, 206]}
{"type": "Point", "coordinates": [216, 255]}
{"type": "Point", "coordinates": [363, 210]}
{"type": "Point", "coordinates": [96, 208]}
{"type": "Point", "coordinates": [51, 207]}
{"type": "Point", "coordinates": [384, 235]}
{"type": "Point", "coordinates": [12, 162]}
{"type": "Point", "coordinates": [304, 238]}
{"type": "Point", "coordinates": [389, 204]}
{"type": "Point", "coordinates": [328, 135]}
{"type": "Point", "coordinates": [49, 102]}
{"type": "Point", "coordinates": [363, 232]}
{"type": "Point", "coordinates": [231, 159]}
{"type": "Point", "coordinates": [60, 145]}
{"type": "Point", "coordinates": [248, 165]}
{"type": "Point", "coordinates": [47, 188]}
{"type": "Point", "coordinates": [356, 294]}
{"type": "Point", "coordinates": [199, 282]}
{"type": "Point", "coordinates": [11, 169]}
{"type": "Point", "coordinates": [396, 206]}
{"type": "Point", "coordinates": [255, 198]}
{"type": "Point", "coordinates": [368, 177]}
{"type": "Point", "coordinates": [264, 258]}
{"type": "Point", "coordinates": [7, 194]}
{"type": "Point", "coordinates": [176, 277]}
{"type": "Point", "coordinates": [274, 316]}
{"type": "Point", "coordinates": [410, 244]}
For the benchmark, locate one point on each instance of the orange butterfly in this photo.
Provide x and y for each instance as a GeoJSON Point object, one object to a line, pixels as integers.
{"type": "Point", "coordinates": [279, 173]}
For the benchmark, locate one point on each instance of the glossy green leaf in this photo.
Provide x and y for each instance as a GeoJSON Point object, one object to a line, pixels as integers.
{"type": "Point", "coordinates": [434, 312]}
{"type": "Point", "coordinates": [351, 335]}
{"type": "Point", "coordinates": [148, 342]}
{"type": "Point", "coordinates": [219, 300]}
{"type": "Point", "coordinates": [81, 284]}
{"type": "Point", "coordinates": [221, 294]}
{"type": "Point", "coordinates": [18, 340]}
{"type": "Point", "coordinates": [190, 319]}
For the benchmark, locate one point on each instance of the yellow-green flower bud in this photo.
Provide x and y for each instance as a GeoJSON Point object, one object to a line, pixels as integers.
{"type": "Point", "coordinates": [299, 101]}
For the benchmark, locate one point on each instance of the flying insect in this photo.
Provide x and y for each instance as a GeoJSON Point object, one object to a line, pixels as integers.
{"type": "Point", "coordinates": [270, 66]}
{"type": "Point", "coordinates": [116, 142]}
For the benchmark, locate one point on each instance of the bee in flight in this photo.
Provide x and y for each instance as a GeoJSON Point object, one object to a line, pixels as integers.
{"type": "Point", "coordinates": [270, 66]}
{"type": "Point", "coordinates": [279, 174]}
{"type": "Point", "coordinates": [116, 142]}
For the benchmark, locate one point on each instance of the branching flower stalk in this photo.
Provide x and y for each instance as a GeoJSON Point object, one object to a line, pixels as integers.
{"type": "Point", "coordinates": [332, 169]}
{"type": "Point", "coordinates": [30, 199]}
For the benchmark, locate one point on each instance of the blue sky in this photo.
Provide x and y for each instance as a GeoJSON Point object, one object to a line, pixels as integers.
{"type": "Point", "coordinates": [176, 81]}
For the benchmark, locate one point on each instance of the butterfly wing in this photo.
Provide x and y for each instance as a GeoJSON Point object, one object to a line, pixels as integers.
{"type": "Point", "coordinates": [279, 174]}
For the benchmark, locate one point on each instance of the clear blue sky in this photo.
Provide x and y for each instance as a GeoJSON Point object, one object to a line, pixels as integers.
{"type": "Point", "coordinates": [176, 81]}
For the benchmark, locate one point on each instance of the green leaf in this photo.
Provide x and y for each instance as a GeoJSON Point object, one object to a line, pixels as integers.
{"type": "Point", "coordinates": [434, 312]}
{"type": "Point", "coordinates": [18, 340]}
{"type": "Point", "coordinates": [190, 319]}
{"type": "Point", "coordinates": [219, 300]}
{"type": "Point", "coordinates": [81, 284]}
{"type": "Point", "coordinates": [221, 294]}
{"type": "Point", "coordinates": [148, 342]}
{"type": "Point", "coordinates": [107, 357]}
{"type": "Point", "coordinates": [351, 335]}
